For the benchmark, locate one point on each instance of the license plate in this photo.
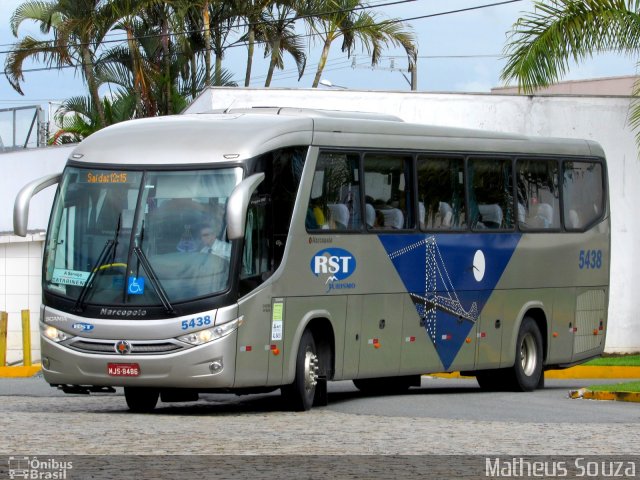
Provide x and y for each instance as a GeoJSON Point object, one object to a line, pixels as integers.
{"type": "Point", "coordinates": [123, 369]}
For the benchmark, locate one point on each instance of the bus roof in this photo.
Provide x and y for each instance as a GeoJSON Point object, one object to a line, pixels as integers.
{"type": "Point", "coordinates": [240, 134]}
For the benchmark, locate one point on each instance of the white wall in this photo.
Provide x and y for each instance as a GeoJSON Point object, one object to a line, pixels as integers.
{"type": "Point", "coordinates": [21, 258]}
{"type": "Point", "coordinates": [603, 119]}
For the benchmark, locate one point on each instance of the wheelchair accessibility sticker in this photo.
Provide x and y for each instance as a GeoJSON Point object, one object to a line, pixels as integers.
{"type": "Point", "coordinates": [135, 286]}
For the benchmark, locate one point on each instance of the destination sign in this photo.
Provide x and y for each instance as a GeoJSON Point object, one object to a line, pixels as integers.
{"type": "Point", "coordinates": [107, 177]}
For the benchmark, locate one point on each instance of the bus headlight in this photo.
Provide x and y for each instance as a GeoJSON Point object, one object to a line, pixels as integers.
{"type": "Point", "coordinates": [52, 333]}
{"type": "Point", "coordinates": [209, 334]}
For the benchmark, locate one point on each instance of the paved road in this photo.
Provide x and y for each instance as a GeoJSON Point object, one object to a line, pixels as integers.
{"type": "Point", "coordinates": [444, 416]}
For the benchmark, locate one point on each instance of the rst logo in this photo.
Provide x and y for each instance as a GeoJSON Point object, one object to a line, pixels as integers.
{"type": "Point", "coordinates": [334, 265]}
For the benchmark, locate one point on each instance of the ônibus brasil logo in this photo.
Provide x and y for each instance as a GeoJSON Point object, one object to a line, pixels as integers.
{"type": "Point", "coordinates": [334, 265]}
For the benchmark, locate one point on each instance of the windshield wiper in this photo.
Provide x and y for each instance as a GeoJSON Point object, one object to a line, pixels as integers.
{"type": "Point", "coordinates": [155, 281]}
{"type": "Point", "coordinates": [109, 246]}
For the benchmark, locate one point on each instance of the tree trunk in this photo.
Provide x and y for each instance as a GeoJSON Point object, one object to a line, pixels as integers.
{"type": "Point", "coordinates": [275, 47]}
{"type": "Point", "coordinates": [87, 65]}
{"type": "Point", "coordinates": [323, 61]}
{"type": "Point", "coordinates": [166, 54]}
{"type": "Point", "coordinates": [252, 41]}
{"type": "Point", "coordinates": [207, 44]}
{"type": "Point", "coordinates": [137, 74]}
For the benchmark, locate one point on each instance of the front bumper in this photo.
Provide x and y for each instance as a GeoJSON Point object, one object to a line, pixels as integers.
{"type": "Point", "coordinates": [188, 368]}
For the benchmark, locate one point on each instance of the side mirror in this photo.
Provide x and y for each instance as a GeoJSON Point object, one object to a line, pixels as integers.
{"type": "Point", "coordinates": [21, 205]}
{"type": "Point", "coordinates": [238, 203]}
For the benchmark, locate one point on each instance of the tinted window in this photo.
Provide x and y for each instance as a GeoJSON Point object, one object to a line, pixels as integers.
{"type": "Point", "coordinates": [387, 188]}
{"type": "Point", "coordinates": [334, 203]}
{"type": "Point", "coordinates": [441, 193]}
{"type": "Point", "coordinates": [583, 195]}
{"type": "Point", "coordinates": [490, 193]}
{"type": "Point", "coordinates": [538, 194]}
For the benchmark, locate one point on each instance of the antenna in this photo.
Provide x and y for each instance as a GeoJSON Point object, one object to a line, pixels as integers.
{"type": "Point", "coordinates": [226, 110]}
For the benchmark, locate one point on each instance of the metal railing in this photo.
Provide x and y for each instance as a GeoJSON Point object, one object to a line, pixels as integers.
{"type": "Point", "coordinates": [37, 128]}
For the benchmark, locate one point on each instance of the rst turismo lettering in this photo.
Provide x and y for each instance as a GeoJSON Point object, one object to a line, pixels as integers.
{"type": "Point", "coordinates": [333, 266]}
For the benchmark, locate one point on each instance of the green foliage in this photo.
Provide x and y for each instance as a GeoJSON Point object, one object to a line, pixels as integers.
{"type": "Point", "coordinates": [616, 361]}
{"type": "Point", "coordinates": [617, 387]}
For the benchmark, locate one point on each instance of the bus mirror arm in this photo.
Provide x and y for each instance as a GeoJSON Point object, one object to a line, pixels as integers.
{"type": "Point", "coordinates": [238, 203]}
{"type": "Point", "coordinates": [23, 199]}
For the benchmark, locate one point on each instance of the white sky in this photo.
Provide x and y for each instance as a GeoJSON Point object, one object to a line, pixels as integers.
{"type": "Point", "coordinates": [474, 34]}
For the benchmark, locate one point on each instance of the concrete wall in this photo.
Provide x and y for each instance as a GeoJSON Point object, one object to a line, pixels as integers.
{"type": "Point", "coordinates": [600, 118]}
{"type": "Point", "coordinates": [21, 258]}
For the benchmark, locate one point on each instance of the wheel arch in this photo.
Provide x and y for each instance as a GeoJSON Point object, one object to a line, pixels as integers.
{"type": "Point", "coordinates": [537, 311]}
{"type": "Point", "coordinates": [320, 325]}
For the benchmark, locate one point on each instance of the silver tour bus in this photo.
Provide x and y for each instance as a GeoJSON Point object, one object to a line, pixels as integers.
{"type": "Point", "coordinates": [261, 249]}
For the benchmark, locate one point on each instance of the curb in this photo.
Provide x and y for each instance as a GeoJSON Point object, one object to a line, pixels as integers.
{"type": "Point", "coordinates": [580, 371]}
{"type": "Point", "coordinates": [19, 372]}
{"type": "Point", "coordinates": [585, 371]}
{"type": "Point", "coordinates": [611, 396]}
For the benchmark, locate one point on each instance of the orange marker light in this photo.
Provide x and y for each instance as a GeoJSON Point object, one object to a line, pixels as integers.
{"type": "Point", "coordinates": [595, 331]}
{"type": "Point", "coordinates": [555, 334]}
{"type": "Point", "coordinates": [275, 351]}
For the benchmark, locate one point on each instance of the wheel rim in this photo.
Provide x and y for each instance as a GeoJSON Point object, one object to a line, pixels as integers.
{"type": "Point", "coordinates": [310, 371]}
{"type": "Point", "coordinates": [528, 354]}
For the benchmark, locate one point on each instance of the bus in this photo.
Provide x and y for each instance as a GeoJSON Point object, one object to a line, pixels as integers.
{"type": "Point", "coordinates": [258, 249]}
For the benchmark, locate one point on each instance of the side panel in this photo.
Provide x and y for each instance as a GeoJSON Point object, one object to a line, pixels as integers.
{"type": "Point", "coordinates": [418, 352]}
{"type": "Point", "coordinates": [590, 323]}
{"type": "Point", "coordinates": [380, 344]}
{"type": "Point", "coordinates": [252, 363]}
{"type": "Point", "coordinates": [352, 334]}
{"type": "Point", "coordinates": [561, 340]}
{"type": "Point", "coordinates": [489, 335]}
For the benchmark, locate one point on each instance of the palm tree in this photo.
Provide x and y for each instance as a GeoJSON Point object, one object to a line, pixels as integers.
{"type": "Point", "coordinates": [279, 35]}
{"type": "Point", "coordinates": [77, 30]}
{"type": "Point", "coordinates": [543, 44]}
{"type": "Point", "coordinates": [348, 19]}
{"type": "Point", "coordinates": [77, 117]}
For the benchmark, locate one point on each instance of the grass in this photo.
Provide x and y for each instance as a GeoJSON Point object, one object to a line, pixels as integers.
{"type": "Point", "coordinates": [616, 361]}
{"type": "Point", "coordinates": [618, 387]}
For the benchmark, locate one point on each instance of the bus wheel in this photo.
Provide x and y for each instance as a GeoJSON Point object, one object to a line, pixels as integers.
{"type": "Point", "coordinates": [527, 370]}
{"type": "Point", "coordinates": [300, 394]}
{"type": "Point", "coordinates": [141, 400]}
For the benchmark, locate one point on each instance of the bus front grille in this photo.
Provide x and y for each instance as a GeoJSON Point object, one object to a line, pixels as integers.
{"type": "Point", "coordinates": [137, 347]}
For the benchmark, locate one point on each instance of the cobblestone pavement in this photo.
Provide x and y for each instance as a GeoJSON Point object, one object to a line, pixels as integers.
{"type": "Point", "coordinates": [101, 424]}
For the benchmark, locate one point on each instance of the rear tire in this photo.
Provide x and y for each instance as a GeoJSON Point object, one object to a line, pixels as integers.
{"type": "Point", "coordinates": [141, 400]}
{"type": "Point", "coordinates": [527, 370]}
{"type": "Point", "coordinates": [301, 393]}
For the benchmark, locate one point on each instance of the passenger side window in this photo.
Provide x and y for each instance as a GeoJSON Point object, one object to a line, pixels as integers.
{"type": "Point", "coordinates": [441, 203]}
{"type": "Point", "coordinates": [387, 188]}
{"type": "Point", "coordinates": [538, 194]}
{"type": "Point", "coordinates": [582, 193]}
{"type": "Point", "coordinates": [334, 203]}
{"type": "Point", "coordinates": [490, 193]}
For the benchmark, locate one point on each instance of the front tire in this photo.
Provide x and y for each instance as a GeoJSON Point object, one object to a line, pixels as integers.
{"type": "Point", "coordinates": [301, 393]}
{"type": "Point", "coordinates": [141, 400]}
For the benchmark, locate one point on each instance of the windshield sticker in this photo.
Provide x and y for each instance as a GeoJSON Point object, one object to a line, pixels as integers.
{"type": "Point", "coordinates": [135, 286]}
{"type": "Point", "coordinates": [63, 276]}
{"type": "Point", "coordinates": [333, 266]}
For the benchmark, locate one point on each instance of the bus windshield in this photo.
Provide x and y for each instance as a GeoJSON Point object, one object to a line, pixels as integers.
{"type": "Point", "coordinates": [139, 237]}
